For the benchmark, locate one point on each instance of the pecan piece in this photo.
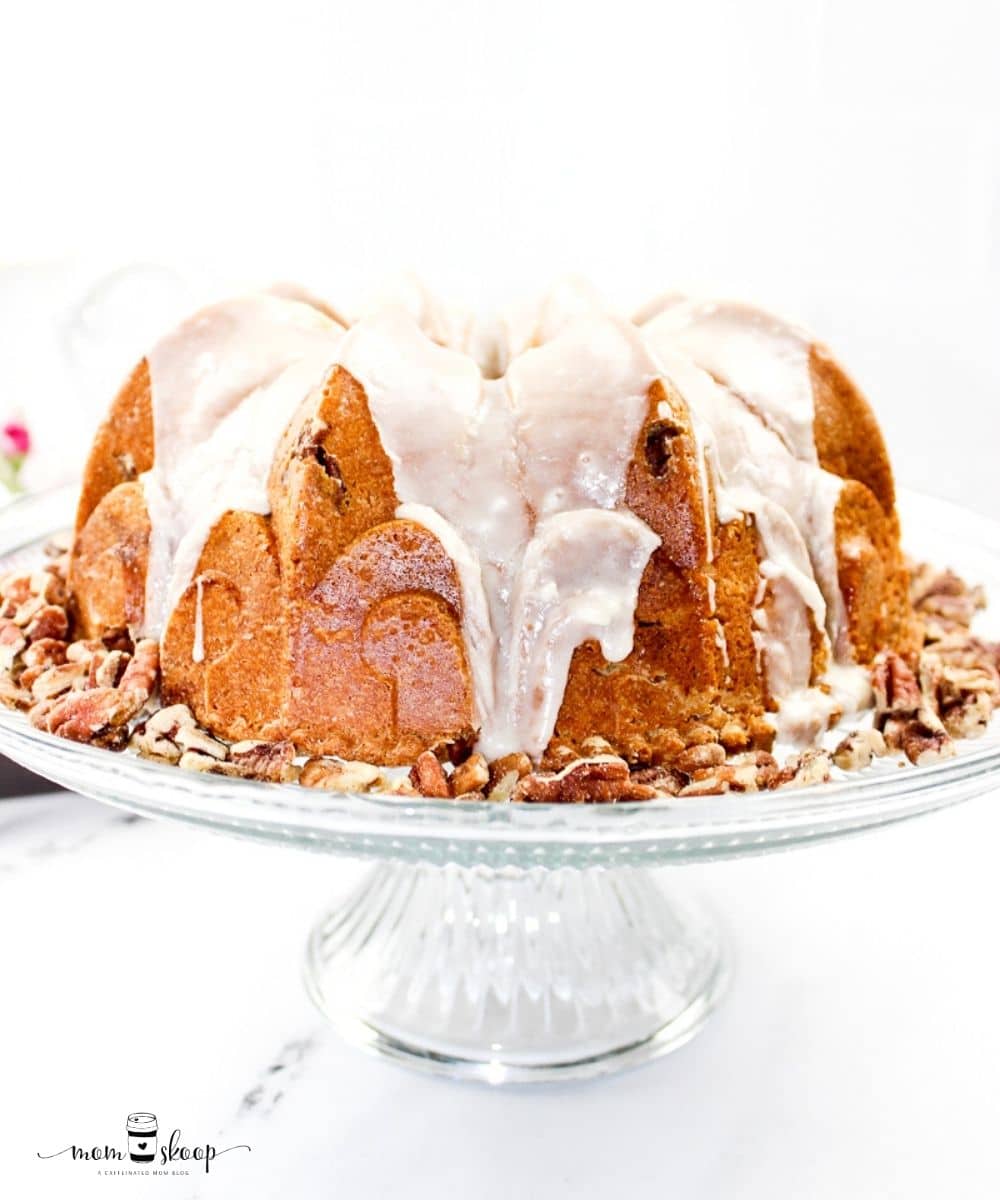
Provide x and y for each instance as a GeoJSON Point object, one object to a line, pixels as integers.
{"type": "Point", "coordinates": [700, 757]}
{"type": "Point", "coordinates": [805, 769]}
{"type": "Point", "coordinates": [16, 588]}
{"type": "Point", "coordinates": [471, 776]}
{"type": "Point", "coordinates": [339, 776]}
{"type": "Point", "coordinates": [922, 738]}
{"type": "Point", "coordinates": [54, 681]}
{"type": "Point", "coordinates": [46, 652]}
{"type": "Point", "coordinates": [143, 670]}
{"type": "Point", "coordinates": [88, 716]}
{"type": "Point", "coordinates": [944, 598]}
{"type": "Point", "coordinates": [13, 696]}
{"type": "Point", "coordinates": [962, 693]}
{"type": "Point", "coordinates": [106, 670]}
{"type": "Point", "coordinates": [271, 762]}
{"type": "Point", "coordinates": [664, 780]}
{"type": "Point", "coordinates": [518, 763]}
{"type": "Point", "coordinates": [156, 737]}
{"type": "Point", "coordinates": [193, 737]}
{"type": "Point", "coordinates": [49, 621]}
{"type": "Point", "coordinates": [897, 693]}
{"type": "Point", "coordinates": [194, 760]}
{"type": "Point", "coordinates": [428, 777]}
{"type": "Point", "coordinates": [502, 788]}
{"type": "Point", "coordinates": [857, 749]}
{"type": "Point", "coordinates": [710, 783]}
{"type": "Point", "coordinates": [84, 650]}
{"type": "Point", "coordinates": [603, 780]}
{"type": "Point", "coordinates": [12, 642]}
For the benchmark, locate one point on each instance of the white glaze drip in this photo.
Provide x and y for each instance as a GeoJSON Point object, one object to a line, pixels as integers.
{"type": "Point", "coordinates": [224, 386]}
{"type": "Point", "coordinates": [755, 471]}
{"type": "Point", "coordinates": [198, 645]}
{"type": "Point", "coordinates": [515, 469]}
{"type": "Point", "coordinates": [760, 357]}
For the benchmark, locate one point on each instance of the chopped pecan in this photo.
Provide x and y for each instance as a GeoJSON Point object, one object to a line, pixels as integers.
{"type": "Point", "coordinates": [665, 780]}
{"type": "Point", "coordinates": [143, 670]}
{"type": "Point", "coordinates": [897, 693]}
{"type": "Point", "coordinates": [428, 777]}
{"type": "Point", "coordinates": [944, 599]}
{"type": "Point", "coordinates": [965, 650]}
{"type": "Point", "coordinates": [698, 758]}
{"type": "Point", "coordinates": [28, 676]}
{"type": "Point", "coordinates": [400, 785]}
{"type": "Point", "coordinates": [106, 670]}
{"type": "Point", "coordinates": [765, 765]}
{"type": "Point", "coordinates": [88, 716]}
{"type": "Point", "coordinates": [84, 650]}
{"type": "Point", "coordinates": [194, 760]}
{"type": "Point", "coordinates": [101, 714]}
{"type": "Point", "coordinates": [501, 788]}
{"type": "Point", "coordinates": [604, 780]}
{"type": "Point", "coordinates": [858, 749]}
{"type": "Point", "coordinates": [46, 652]}
{"type": "Point", "coordinates": [968, 717]}
{"type": "Point", "coordinates": [336, 776]}
{"type": "Point", "coordinates": [49, 621]}
{"type": "Point", "coordinates": [271, 762]}
{"type": "Point", "coordinates": [519, 763]}
{"type": "Point", "coordinates": [922, 737]}
{"type": "Point", "coordinates": [558, 756]}
{"type": "Point", "coordinates": [156, 737]}
{"type": "Point", "coordinates": [805, 769]}
{"type": "Point", "coordinates": [471, 776]}
{"type": "Point", "coordinates": [709, 783]}
{"type": "Point", "coordinates": [118, 639]}
{"type": "Point", "coordinates": [13, 696]}
{"type": "Point", "coordinates": [193, 737]}
{"type": "Point", "coordinates": [16, 588]}
{"type": "Point", "coordinates": [49, 587]}
{"type": "Point", "coordinates": [749, 772]}
{"type": "Point", "coordinates": [12, 642]}
{"type": "Point", "coordinates": [963, 696]}
{"type": "Point", "coordinates": [54, 681]}
{"type": "Point", "coordinates": [25, 613]}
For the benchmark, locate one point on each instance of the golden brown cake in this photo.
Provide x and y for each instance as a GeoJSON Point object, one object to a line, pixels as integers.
{"type": "Point", "coordinates": [415, 534]}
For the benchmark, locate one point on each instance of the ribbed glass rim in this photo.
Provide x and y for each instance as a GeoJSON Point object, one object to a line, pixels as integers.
{"type": "Point", "coordinates": [520, 834]}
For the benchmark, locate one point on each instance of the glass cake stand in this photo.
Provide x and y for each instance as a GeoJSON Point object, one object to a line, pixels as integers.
{"type": "Point", "coordinates": [513, 943]}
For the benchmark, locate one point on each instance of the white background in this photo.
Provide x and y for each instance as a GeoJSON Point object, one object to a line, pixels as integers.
{"type": "Point", "coordinates": [839, 161]}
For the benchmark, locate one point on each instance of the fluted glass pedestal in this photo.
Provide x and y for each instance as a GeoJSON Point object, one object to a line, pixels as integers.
{"type": "Point", "coordinates": [514, 975]}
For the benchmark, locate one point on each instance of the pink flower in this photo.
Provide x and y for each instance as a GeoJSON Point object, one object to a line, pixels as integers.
{"type": "Point", "coordinates": [15, 441]}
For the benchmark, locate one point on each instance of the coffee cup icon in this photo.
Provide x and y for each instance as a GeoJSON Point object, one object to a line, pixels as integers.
{"type": "Point", "coordinates": [141, 1128]}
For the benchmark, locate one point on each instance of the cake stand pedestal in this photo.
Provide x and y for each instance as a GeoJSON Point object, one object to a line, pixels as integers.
{"type": "Point", "coordinates": [516, 975]}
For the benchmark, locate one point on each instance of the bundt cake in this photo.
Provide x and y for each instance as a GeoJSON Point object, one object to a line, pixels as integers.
{"type": "Point", "coordinates": [417, 533]}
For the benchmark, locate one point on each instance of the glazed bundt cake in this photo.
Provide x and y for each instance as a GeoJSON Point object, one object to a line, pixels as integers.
{"type": "Point", "coordinates": [413, 533]}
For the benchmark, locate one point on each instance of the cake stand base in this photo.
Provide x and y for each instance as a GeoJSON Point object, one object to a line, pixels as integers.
{"type": "Point", "coordinates": [516, 976]}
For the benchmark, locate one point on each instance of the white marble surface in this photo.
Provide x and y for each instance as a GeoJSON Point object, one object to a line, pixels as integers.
{"type": "Point", "coordinates": [152, 966]}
